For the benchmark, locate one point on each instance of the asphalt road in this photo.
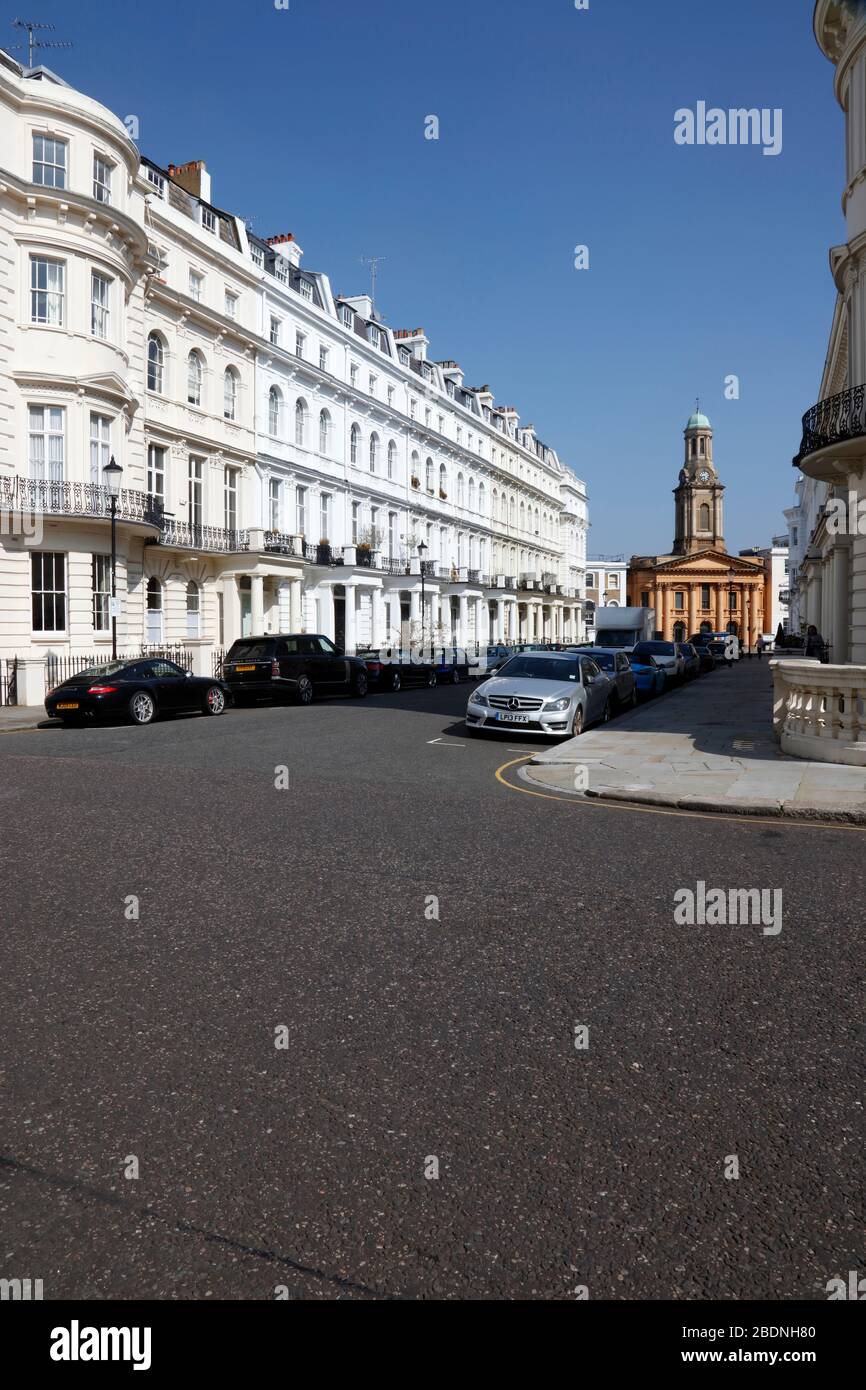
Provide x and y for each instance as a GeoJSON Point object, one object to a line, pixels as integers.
{"type": "Point", "coordinates": [408, 1038]}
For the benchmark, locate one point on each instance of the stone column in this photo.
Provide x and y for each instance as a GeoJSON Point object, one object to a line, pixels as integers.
{"type": "Point", "coordinates": [839, 573]}
{"type": "Point", "coordinates": [257, 604]}
{"type": "Point", "coordinates": [378, 635]}
{"type": "Point", "coordinates": [721, 624]}
{"type": "Point", "coordinates": [296, 620]}
{"type": "Point", "coordinates": [349, 609]}
{"type": "Point", "coordinates": [463, 621]}
{"type": "Point", "coordinates": [415, 607]}
{"type": "Point", "coordinates": [326, 610]}
{"type": "Point", "coordinates": [665, 595]}
{"type": "Point", "coordinates": [693, 609]}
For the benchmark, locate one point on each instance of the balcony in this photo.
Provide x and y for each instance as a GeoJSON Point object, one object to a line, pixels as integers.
{"type": "Point", "coordinates": [40, 496]}
{"type": "Point", "coordinates": [817, 710]}
{"type": "Point", "coordinates": [834, 431]}
{"type": "Point", "coordinates": [210, 538]}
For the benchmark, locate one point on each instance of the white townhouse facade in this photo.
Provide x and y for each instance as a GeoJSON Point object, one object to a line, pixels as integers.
{"type": "Point", "coordinates": [288, 461]}
{"type": "Point", "coordinates": [376, 461]}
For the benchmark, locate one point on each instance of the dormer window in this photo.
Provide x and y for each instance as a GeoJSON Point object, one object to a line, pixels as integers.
{"type": "Point", "coordinates": [208, 220]}
{"type": "Point", "coordinates": [450, 389]}
{"type": "Point", "coordinates": [281, 270]}
{"type": "Point", "coordinates": [374, 336]}
{"type": "Point", "coordinates": [157, 181]}
{"type": "Point", "coordinates": [258, 255]}
{"type": "Point", "coordinates": [404, 356]}
{"type": "Point", "coordinates": [346, 316]}
{"type": "Point", "coordinates": [305, 288]}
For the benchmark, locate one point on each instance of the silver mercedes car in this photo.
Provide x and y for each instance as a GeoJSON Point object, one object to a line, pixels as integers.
{"type": "Point", "coordinates": [554, 694]}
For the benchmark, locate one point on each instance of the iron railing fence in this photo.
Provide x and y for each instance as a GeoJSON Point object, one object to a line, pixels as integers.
{"type": "Point", "coordinates": [60, 668]}
{"type": "Point", "coordinates": [9, 681]}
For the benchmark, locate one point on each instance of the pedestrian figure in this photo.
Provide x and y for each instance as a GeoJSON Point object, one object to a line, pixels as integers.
{"type": "Point", "coordinates": [759, 646]}
{"type": "Point", "coordinates": [814, 643]}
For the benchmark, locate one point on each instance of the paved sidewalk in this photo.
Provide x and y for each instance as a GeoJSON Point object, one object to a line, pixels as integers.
{"type": "Point", "coordinates": [16, 717]}
{"type": "Point", "coordinates": [708, 746]}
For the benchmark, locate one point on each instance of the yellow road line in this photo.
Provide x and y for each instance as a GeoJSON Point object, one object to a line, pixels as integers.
{"type": "Point", "coordinates": [779, 822]}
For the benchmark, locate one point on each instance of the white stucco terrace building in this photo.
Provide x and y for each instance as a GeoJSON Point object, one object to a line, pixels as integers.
{"type": "Point", "coordinates": [285, 454]}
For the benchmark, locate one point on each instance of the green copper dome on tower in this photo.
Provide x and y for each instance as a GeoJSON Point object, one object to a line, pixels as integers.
{"type": "Point", "coordinates": [698, 421]}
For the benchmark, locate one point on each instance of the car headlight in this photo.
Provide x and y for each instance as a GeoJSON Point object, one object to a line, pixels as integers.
{"type": "Point", "coordinates": [478, 700]}
{"type": "Point", "coordinates": [559, 704]}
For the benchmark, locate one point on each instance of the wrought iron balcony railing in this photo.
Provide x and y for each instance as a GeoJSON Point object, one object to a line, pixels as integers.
{"type": "Point", "coordinates": [213, 538]}
{"type": "Point", "coordinates": [833, 420]}
{"type": "Point", "coordinates": [46, 497]}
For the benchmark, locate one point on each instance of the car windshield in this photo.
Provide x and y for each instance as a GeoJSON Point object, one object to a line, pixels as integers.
{"type": "Point", "coordinates": [251, 651]}
{"type": "Point", "coordinates": [545, 668]}
{"type": "Point", "coordinates": [602, 659]}
{"type": "Point", "coordinates": [655, 649]}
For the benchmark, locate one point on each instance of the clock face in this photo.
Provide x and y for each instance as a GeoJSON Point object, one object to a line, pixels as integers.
{"type": "Point", "coordinates": [703, 476]}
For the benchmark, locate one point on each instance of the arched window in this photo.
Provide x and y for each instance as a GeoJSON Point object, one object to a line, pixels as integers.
{"type": "Point", "coordinates": [522, 517]}
{"type": "Point", "coordinates": [153, 627]}
{"type": "Point", "coordinates": [472, 494]}
{"type": "Point", "coordinates": [704, 520]}
{"type": "Point", "coordinates": [324, 431]}
{"type": "Point", "coordinates": [512, 511]}
{"type": "Point", "coordinates": [275, 411]}
{"type": "Point", "coordinates": [354, 444]}
{"type": "Point", "coordinates": [230, 393]}
{"type": "Point", "coordinates": [374, 451]}
{"type": "Point", "coordinates": [155, 363]}
{"type": "Point", "coordinates": [194, 376]}
{"type": "Point", "coordinates": [301, 422]}
{"type": "Point", "coordinates": [494, 505]}
{"type": "Point", "coordinates": [392, 458]}
{"type": "Point", "coordinates": [504, 512]}
{"type": "Point", "coordinates": [193, 610]}
{"type": "Point", "coordinates": [416, 463]}
{"type": "Point", "coordinates": [461, 498]}
{"type": "Point", "coordinates": [443, 480]}
{"type": "Point", "coordinates": [702, 447]}
{"type": "Point", "coordinates": [430, 478]}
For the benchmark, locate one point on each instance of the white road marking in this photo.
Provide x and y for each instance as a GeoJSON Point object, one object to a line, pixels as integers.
{"type": "Point", "coordinates": [445, 745]}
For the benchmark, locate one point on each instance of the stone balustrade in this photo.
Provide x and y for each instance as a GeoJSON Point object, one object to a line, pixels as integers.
{"type": "Point", "coordinates": [819, 712]}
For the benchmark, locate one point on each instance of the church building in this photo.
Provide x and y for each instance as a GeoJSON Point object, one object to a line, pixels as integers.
{"type": "Point", "coordinates": [699, 586]}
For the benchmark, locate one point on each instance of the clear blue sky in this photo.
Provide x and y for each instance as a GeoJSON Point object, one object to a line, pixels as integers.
{"type": "Point", "coordinates": [556, 129]}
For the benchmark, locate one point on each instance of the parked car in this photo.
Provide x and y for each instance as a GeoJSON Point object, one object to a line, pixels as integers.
{"type": "Point", "coordinates": [141, 690]}
{"type": "Point", "coordinates": [390, 668]}
{"type": "Point", "coordinates": [649, 676]}
{"type": "Point", "coordinates": [451, 664]}
{"type": "Point", "coordinates": [706, 658]}
{"type": "Point", "coordinates": [616, 665]}
{"type": "Point", "coordinates": [666, 656]}
{"type": "Point", "coordinates": [292, 666]}
{"type": "Point", "coordinates": [489, 659]}
{"type": "Point", "coordinates": [554, 694]}
{"type": "Point", "coordinates": [691, 660]}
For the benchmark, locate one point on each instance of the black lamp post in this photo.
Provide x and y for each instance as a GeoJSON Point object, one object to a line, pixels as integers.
{"type": "Point", "coordinates": [732, 574]}
{"type": "Point", "coordinates": [422, 550]}
{"type": "Point", "coordinates": [112, 472]}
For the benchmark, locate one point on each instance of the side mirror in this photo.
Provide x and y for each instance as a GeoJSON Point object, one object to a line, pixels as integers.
{"type": "Point", "coordinates": [188, 675]}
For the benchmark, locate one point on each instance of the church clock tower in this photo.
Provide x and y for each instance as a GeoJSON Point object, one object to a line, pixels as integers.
{"type": "Point", "coordinates": [698, 496]}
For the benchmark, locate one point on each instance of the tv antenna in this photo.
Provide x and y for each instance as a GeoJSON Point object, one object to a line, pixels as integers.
{"type": "Point", "coordinates": [373, 263]}
{"type": "Point", "coordinates": [33, 27]}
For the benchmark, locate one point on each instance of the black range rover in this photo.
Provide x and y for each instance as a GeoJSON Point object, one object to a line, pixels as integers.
{"type": "Point", "coordinates": [294, 666]}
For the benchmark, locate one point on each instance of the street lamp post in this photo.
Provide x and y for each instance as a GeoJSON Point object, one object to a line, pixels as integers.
{"type": "Point", "coordinates": [422, 550]}
{"type": "Point", "coordinates": [112, 472]}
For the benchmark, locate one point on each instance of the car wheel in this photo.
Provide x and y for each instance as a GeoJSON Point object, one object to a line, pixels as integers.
{"type": "Point", "coordinates": [432, 680]}
{"type": "Point", "coordinates": [214, 700]}
{"type": "Point", "coordinates": [359, 685]}
{"type": "Point", "coordinates": [142, 708]}
{"type": "Point", "coordinates": [395, 682]}
{"type": "Point", "coordinates": [577, 722]}
{"type": "Point", "coordinates": [305, 691]}
{"type": "Point", "coordinates": [605, 718]}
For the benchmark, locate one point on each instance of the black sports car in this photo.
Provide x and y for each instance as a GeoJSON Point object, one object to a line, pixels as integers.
{"type": "Point", "coordinates": [141, 690]}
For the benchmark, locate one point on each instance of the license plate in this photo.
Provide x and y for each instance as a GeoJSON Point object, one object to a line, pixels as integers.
{"type": "Point", "coordinates": [514, 718]}
{"type": "Point", "coordinates": [245, 668]}
{"type": "Point", "coordinates": [72, 704]}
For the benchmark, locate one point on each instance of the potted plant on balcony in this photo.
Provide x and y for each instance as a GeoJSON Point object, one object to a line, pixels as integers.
{"type": "Point", "coordinates": [443, 494]}
{"type": "Point", "coordinates": [364, 554]}
{"type": "Point", "coordinates": [323, 552]}
{"type": "Point", "coordinates": [416, 482]}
